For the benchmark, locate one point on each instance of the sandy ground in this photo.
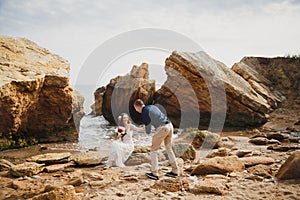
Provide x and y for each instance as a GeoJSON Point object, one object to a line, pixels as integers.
{"type": "Point", "coordinates": [131, 183]}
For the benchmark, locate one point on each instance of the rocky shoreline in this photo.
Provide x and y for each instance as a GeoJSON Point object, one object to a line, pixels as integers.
{"type": "Point", "coordinates": [38, 105]}
{"type": "Point", "coordinates": [236, 169]}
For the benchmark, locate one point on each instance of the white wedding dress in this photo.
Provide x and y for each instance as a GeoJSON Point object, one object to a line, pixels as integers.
{"type": "Point", "coordinates": [121, 150]}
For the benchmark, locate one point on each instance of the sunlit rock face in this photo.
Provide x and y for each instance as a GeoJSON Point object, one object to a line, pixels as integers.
{"type": "Point", "coordinates": [36, 100]}
{"type": "Point", "coordinates": [201, 88]}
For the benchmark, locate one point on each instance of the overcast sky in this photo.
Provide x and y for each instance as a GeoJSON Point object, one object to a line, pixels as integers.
{"type": "Point", "coordinates": [226, 30]}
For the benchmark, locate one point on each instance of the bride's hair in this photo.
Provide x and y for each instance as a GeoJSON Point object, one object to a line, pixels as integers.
{"type": "Point", "coordinates": [122, 116]}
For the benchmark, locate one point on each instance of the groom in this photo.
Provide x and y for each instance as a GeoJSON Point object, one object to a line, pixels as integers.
{"type": "Point", "coordinates": [164, 129]}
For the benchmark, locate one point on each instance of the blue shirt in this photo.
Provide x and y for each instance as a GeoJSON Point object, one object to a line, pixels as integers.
{"type": "Point", "coordinates": [153, 116]}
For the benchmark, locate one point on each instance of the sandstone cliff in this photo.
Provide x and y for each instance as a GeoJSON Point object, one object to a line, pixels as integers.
{"type": "Point", "coordinates": [202, 86]}
{"type": "Point", "coordinates": [275, 78]}
{"type": "Point", "coordinates": [278, 81]}
{"type": "Point", "coordinates": [36, 100]}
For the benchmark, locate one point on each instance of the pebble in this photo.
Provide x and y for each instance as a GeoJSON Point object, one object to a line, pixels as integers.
{"type": "Point", "coordinates": [270, 180]}
{"type": "Point", "coordinates": [36, 176]}
{"type": "Point", "coordinates": [26, 178]}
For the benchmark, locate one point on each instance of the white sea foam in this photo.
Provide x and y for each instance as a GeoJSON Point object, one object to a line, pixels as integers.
{"type": "Point", "coordinates": [95, 133]}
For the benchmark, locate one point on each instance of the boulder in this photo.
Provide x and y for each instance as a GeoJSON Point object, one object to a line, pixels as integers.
{"type": "Point", "coordinates": [240, 152]}
{"type": "Point", "coordinates": [199, 78]}
{"type": "Point", "coordinates": [276, 136]}
{"type": "Point", "coordinates": [171, 185]}
{"type": "Point", "coordinates": [26, 169]}
{"type": "Point", "coordinates": [141, 149]}
{"type": "Point", "coordinates": [98, 97]}
{"type": "Point", "coordinates": [279, 77]}
{"type": "Point", "coordinates": [285, 147]}
{"type": "Point", "coordinates": [199, 138]}
{"type": "Point", "coordinates": [57, 167]}
{"type": "Point", "coordinates": [76, 181]}
{"type": "Point", "coordinates": [137, 159]}
{"type": "Point", "coordinates": [37, 102]}
{"type": "Point", "coordinates": [19, 185]}
{"type": "Point", "coordinates": [291, 168]}
{"type": "Point", "coordinates": [5, 164]}
{"type": "Point", "coordinates": [50, 158]}
{"type": "Point", "coordinates": [210, 186]}
{"type": "Point", "coordinates": [121, 92]}
{"type": "Point", "coordinates": [185, 151]}
{"type": "Point", "coordinates": [60, 193]}
{"type": "Point", "coordinates": [141, 158]}
{"type": "Point", "coordinates": [219, 165]}
{"type": "Point", "coordinates": [261, 170]}
{"type": "Point", "coordinates": [89, 158]}
{"type": "Point", "coordinates": [259, 141]}
{"type": "Point", "coordinates": [256, 160]}
{"type": "Point", "coordinates": [221, 152]}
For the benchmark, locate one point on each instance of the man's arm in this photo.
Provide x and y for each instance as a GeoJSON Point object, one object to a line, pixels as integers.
{"type": "Point", "coordinates": [148, 128]}
{"type": "Point", "coordinates": [146, 120]}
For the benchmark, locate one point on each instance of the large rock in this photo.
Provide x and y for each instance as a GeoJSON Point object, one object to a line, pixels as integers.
{"type": "Point", "coordinates": [87, 158]}
{"type": "Point", "coordinates": [285, 147]}
{"type": "Point", "coordinates": [219, 165]}
{"type": "Point", "coordinates": [140, 158]}
{"type": "Point", "coordinates": [185, 151]}
{"type": "Point", "coordinates": [57, 167]}
{"type": "Point", "coordinates": [211, 186]}
{"type": "Point", "coordinates": [291, 168]}
{"type": "Point", "coordinates": [26, 169]}
{"type": "Point", "coordinates": [199, 138]}
{"type": "Point", "coordinates": [36, 100]}
{"type": "Point", "coordinates": [276, 78]}
{"type": "Point", "coordinates": [98, 97]}
{"type": "Point", "coordinates": [50, 158]}
{"type": "Point", "coordinates": [118, 96]}
{"type": "Point", "coordinates": [5, 164]}
{"type": "Point", "coordinates": [261, 170]}
{"type": "Point", "coordinates": [256, 160]}
{"type": "Point", "coordinates": [278, 81]}
{"type": "Point", "coordinates": [171, 185]}
{"type": "Point", "coordinates": [61, 193]}
{"type": "Point", "coordinates": [194, 79]}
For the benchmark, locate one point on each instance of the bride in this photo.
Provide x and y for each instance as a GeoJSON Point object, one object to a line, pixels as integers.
{"type": "Point", "coordinates": [123, 146]}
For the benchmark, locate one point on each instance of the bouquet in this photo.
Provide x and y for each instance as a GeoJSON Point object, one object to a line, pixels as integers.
{"type": "Point", "coordinates": [120, 132]}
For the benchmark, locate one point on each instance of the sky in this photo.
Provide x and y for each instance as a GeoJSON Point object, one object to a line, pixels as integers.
{"type": "Point", "coordinates": [227, 30]}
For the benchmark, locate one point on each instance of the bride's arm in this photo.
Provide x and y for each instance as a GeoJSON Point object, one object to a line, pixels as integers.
{"type": "Point", "coordinates": [139, 129]}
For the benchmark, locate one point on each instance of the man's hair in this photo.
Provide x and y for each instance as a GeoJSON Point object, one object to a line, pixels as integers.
{"type": "Point", "coordinates": [139, 102]}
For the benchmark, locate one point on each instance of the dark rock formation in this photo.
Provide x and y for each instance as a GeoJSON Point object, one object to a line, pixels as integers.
{"type": "Point", "coordinates": [118, 96]}
{"type": "Point", "coordinates": [36, 100]}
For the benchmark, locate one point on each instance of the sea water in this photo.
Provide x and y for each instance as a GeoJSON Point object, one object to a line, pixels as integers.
{"type": "Point", "coordinates": [96, 133]}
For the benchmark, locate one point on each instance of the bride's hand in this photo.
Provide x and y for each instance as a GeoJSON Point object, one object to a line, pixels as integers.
{"type": "Point", "coordinates": [142, 128]}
